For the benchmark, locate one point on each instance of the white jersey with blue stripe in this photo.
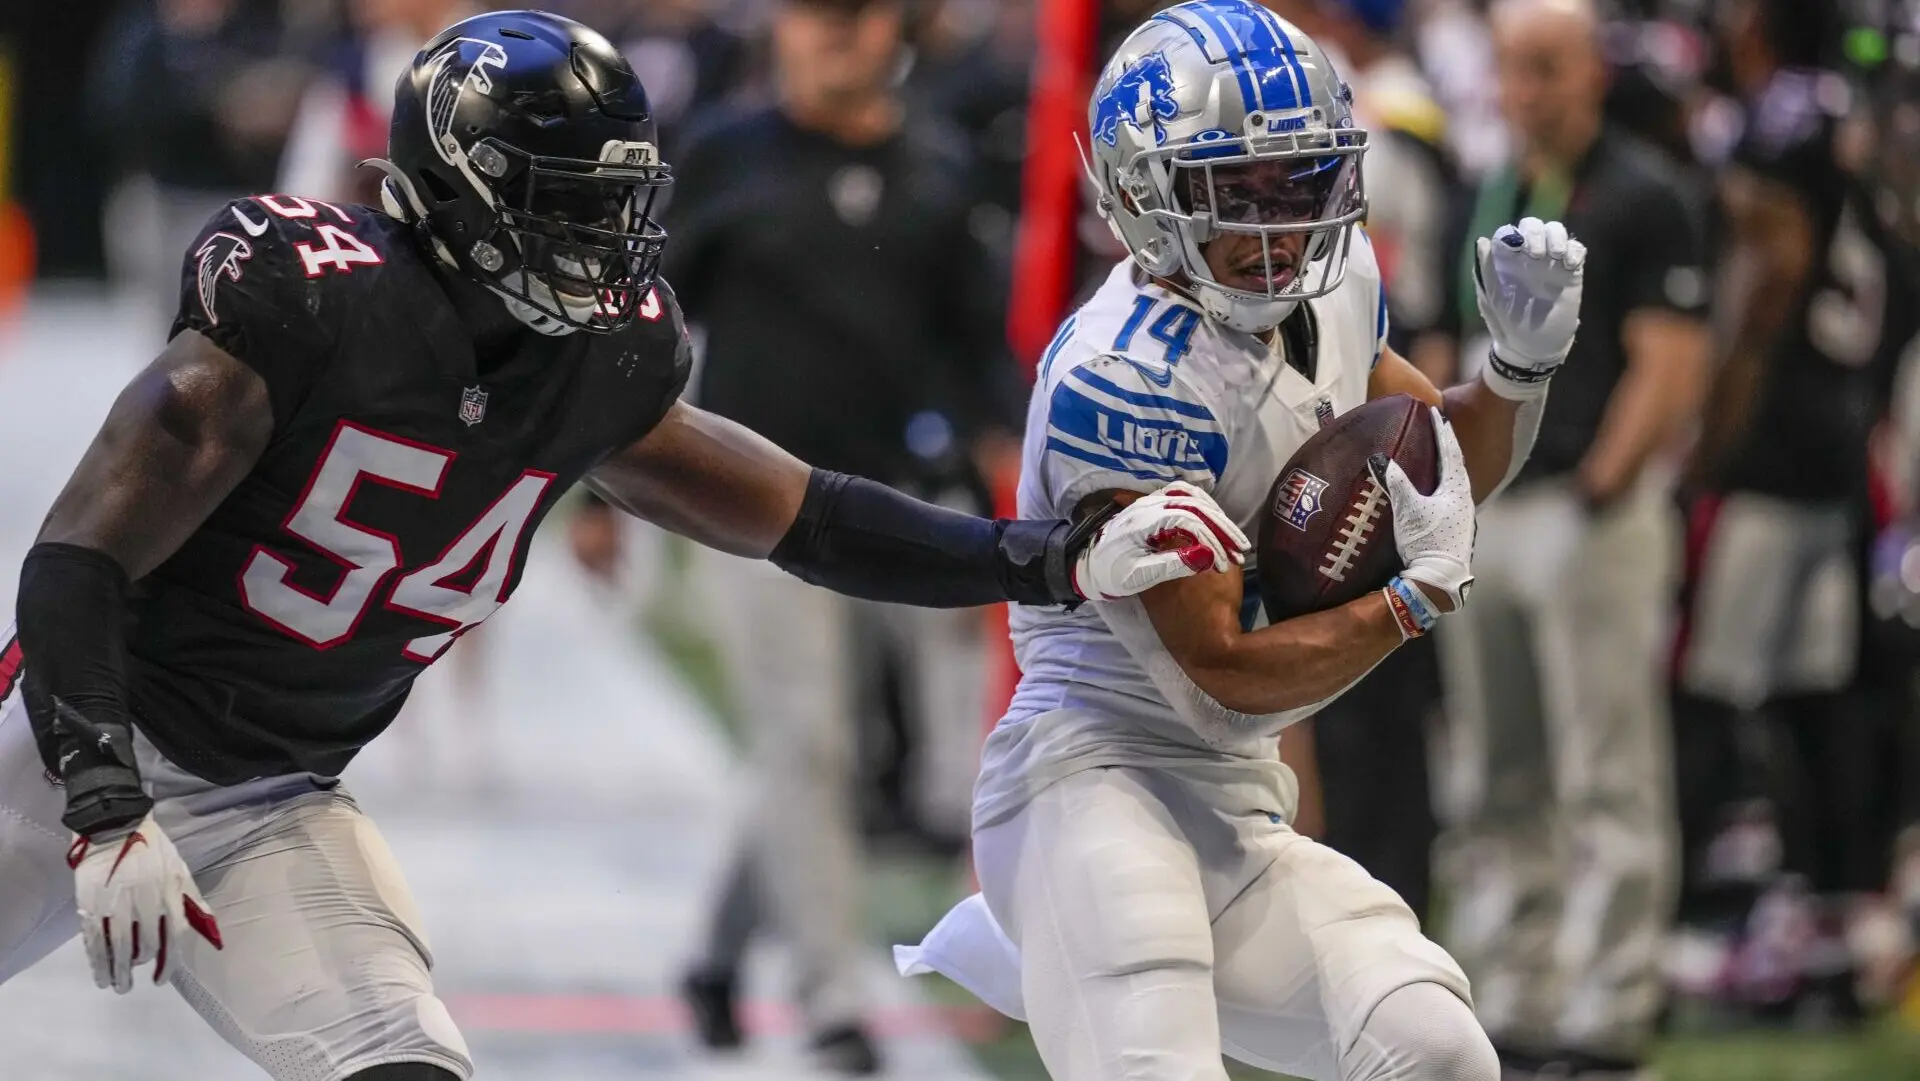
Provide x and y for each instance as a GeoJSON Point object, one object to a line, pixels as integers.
{"type": "Point", "coordinates": [1139, 389]}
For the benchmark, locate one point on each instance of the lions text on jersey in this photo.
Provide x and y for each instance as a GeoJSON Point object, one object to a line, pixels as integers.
{"type": "Point", "coordinates": [1139, 389]}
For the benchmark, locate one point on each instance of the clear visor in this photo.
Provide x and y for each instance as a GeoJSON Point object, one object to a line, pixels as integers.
{"type": "Point", "coordinates": [1264, 219]}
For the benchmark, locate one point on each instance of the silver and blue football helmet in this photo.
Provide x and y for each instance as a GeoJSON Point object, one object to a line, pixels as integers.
{"type": "Point", "coordinates": [1196, 100]}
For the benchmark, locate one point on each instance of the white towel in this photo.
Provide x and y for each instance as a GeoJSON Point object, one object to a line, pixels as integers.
{"type": "Point", "coordinates": [968, 947]}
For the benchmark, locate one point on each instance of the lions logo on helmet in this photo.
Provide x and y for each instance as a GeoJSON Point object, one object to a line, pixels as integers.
{"type": "Point", "coordinates": [1142, 95]}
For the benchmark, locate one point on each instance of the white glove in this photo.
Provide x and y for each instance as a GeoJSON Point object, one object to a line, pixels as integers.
{"type": "Point", "coordinates": [1433, 533]}
{"type": "Point", "coordinates": [1528, 280]}
{"type": "Point", "coordinates": [136, 897]}
{"type": "Point", "coordinates": [1168, 534]}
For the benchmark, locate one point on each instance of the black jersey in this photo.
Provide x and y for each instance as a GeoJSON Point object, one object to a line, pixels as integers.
{"type": "Point", "coordinates": [420, 434]}
{"type": "Point", "coordinates": [1819, 392]}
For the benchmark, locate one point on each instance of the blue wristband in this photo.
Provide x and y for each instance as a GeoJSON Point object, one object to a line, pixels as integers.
{"type": "Point", "coordinates": [1423, 611]}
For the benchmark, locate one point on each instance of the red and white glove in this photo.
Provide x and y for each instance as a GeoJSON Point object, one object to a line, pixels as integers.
{"type": "Point", "coordinates": [135, 896]}
{"type": "Point", "coordinates": [1168, 534]}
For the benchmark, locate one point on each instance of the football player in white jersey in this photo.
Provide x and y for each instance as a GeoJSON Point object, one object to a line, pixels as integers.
{"type": "Point", "coordinates": [1145, 904]}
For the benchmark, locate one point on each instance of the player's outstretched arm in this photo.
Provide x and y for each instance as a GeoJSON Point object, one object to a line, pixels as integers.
{"type": "Point", "coordinates": [712, 480]}
{"type": "Point", "coordinates": [181, 435]}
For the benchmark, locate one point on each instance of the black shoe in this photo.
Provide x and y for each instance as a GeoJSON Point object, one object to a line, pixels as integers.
{"type": "Point", "coordinates": [711, 999]}
{"type": "Point", "coordinates": [846, 1049]}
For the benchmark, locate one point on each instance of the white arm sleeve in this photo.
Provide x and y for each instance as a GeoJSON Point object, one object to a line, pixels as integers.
{"type": "Point", "coordinates": [1219, 727]}
{"type": "Point", "coordinates": [1526, 428]}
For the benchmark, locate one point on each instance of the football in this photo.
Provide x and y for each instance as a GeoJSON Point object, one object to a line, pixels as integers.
{"type": "Point", "coordinates": [1327, 536]}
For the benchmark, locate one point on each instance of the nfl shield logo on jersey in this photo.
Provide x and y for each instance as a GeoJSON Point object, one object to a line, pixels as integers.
{"type": "Point", "coordinates": [473, 405]}
{"type": "Point", "coordinates": [1299, 499]}
{"type": "Point", "coordinates": [1323, 411]}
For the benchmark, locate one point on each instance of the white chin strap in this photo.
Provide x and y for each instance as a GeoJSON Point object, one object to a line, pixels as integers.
{"type": "Point", "coordinates": [1245, 316]}
{"type": "Point", "coordinates": [533, 317]}
{"type": "Point", "coordinates": [579, 309]}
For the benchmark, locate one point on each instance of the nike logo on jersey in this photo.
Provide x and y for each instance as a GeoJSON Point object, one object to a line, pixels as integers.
{"type": "Point", "coordinates": [1159, 377]}
{"type": "Point", "coordinates": [252, 227]}
{"type": "Point", "coordinates": [221, 255]}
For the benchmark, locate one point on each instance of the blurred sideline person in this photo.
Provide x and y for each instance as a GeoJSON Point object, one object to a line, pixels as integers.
{"type": "Point", "coordinates": [1560, 850]}
{"type": "Point", "coordinates": [343, 114]}
{"type": "Point", "coordinates": [1813, 311]}
{"type": "Point", "coordinates": [1369, 747]}
{"type": "Point", "coordinates": [823, 243]}
{"type": "Point", "coordinates": [973, 63]}
{"type": "Point", "coordinates": [192, 98]}
{"type": "Point", "coordinates": [1891, 169]}
{"type": "Point", "coordinates": [1457, 57]}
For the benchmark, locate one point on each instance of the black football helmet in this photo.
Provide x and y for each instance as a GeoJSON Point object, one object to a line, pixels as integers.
{"type": "Point", "coordinates": [524, 150]}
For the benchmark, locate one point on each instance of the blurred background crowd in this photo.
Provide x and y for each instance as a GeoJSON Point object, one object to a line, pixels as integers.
{"type": "Point", "coordinates": [1665, 776]}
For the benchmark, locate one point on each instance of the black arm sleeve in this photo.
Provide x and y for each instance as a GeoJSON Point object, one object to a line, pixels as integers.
{"type": "Point", "coordinates": [863, 539]}
{"type": "Point", "coordinates": [72, 612]}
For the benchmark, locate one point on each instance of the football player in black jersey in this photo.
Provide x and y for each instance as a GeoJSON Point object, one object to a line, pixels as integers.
{"type": "Point", "coordinates": [1816, 306]}
{"type": "Point", "coordinates": [330, 473]}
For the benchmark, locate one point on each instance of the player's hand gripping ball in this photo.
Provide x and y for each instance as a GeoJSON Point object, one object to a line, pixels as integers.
{"type": "Point", "coordinates": [1167, 534]}
{"type": "Point", "coordinates": [1433, 532]}
{"type": "Point", "coordinates": [1528, 280]}
{"type": "Point", "coordinates": [137, 903]}
{"type": "Point", "coordinates": [1332, 527]}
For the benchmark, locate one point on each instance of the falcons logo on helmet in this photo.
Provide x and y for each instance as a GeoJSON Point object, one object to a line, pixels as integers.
{"type": "Point", "coordinates": [460, 63]}
{"type": "Point", "coordinates": [222, 254]}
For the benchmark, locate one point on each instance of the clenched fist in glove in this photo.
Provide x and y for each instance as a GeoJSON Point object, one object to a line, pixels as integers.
{"type": "Point", "coordinates": [1170, 533]}
{"type": "Point", "coordinates": [1528, 281]}
{"type": "Point", "coordinates": [1433, 533]}
{"type": "Point", "coordinates": [136, 900]}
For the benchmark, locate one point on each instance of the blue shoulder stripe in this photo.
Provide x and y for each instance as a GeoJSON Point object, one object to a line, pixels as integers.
{"type": "Point", "coordinates": [1134, 397]}
{"type": "Point", "coordinates": [1059, 342]}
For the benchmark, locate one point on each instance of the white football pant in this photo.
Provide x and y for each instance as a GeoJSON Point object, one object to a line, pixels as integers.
{"type": "Point", "coordinates": [325, 972]}
{"type": "Point", "coordinates": [1154, 919]}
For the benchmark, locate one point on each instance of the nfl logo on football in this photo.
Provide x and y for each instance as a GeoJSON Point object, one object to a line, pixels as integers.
{"type": "Point", "coordinates": [1299, 499]}
{"type": "Point", "coordinates": [473, 406]}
